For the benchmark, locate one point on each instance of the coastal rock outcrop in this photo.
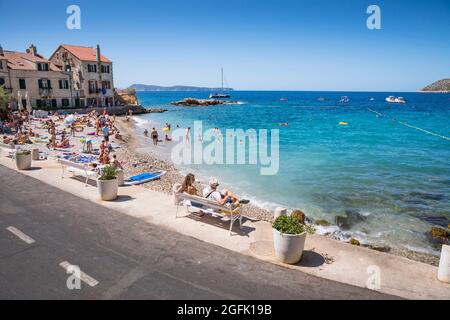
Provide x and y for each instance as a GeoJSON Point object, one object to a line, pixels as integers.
{"type": "Point", "coordinates": [296, 213]}
{"type": "Point", "coordinates": [351, 217]}
{"type": "Point", "coordinates": [191, 102]}
{"type": "Point", "coordinates": [438, 235]}
{"type": "Point", "coordinates": [322, 222]}
{"type": "Point", "coordinates": [155, 110]}
{"type": "Point", "coordinates": [126, 96]}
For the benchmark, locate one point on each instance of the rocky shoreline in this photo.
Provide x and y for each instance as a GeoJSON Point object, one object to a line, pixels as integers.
{"type": "Point", "coordinates": [137, 162]}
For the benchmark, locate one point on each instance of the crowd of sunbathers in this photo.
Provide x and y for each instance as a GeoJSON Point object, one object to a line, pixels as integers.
{"type": "Point", "coordinates": [19, 124]}
{"type": "Point", "coordinates": [16, 123]}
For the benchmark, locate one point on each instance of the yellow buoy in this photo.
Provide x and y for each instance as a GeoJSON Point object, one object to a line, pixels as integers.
{"type": "Point", "coordinates": [343, 123]}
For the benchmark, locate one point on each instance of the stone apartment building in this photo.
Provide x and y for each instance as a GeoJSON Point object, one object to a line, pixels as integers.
{"type": "Point", "coordinates": [91, 74]}
{"type": "Point", "coordinates": [4, 74]}
{"type": "Point", "coordinates": [29, 72]}
{"type": "Point", "coordinates": [73, 77]}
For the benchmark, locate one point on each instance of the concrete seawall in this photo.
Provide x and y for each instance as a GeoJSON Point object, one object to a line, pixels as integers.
{"type": "Point", "coordinates": [117, 110]}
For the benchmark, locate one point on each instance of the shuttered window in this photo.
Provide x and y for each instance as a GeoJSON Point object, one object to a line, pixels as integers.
{"type": "Point", "coordinates": [92, 68]}
{"type": "Point", "coordinates": [63, 84]}
{"type": "Point", "coordinates": [105, 69]}
{"type": "Point", "coordinates": [22, 84]}
{"type": "Point", "coordinates": [44, 84]}
{"type": "Point", "coordinates": [42, 66]}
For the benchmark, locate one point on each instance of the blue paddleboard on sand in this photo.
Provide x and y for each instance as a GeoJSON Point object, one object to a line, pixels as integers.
{"type": "Point", "coordinates": [144, 177]}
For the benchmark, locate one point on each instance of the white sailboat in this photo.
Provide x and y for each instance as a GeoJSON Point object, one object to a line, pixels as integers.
{"type": "Point", "coordinates": [220, 95]}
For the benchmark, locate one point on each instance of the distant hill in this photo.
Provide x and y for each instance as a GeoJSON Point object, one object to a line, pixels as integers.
{"type": "Point", "coordinates": [441, 85]}
{"type": "Point", "coordinates": [146, 87]}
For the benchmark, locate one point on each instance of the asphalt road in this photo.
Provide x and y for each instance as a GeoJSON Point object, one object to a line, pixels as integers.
{"type": "Point", "coordinates": [129, 259]}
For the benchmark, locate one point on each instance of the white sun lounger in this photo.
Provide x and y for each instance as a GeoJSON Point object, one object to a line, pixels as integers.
{"type": "Point", "coordinates": [78, 169]}
{"type": "Point", "coordinates": [208, 206]}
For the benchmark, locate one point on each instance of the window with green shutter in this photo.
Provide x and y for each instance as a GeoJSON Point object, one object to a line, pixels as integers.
{"type": "Point", "coordinates": [22, 84]}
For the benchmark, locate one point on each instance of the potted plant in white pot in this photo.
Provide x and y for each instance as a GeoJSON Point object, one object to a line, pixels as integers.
{"type": "Point", "coordinates": [23, 159]}
{"type": "Point", "coordinates": [289, 236]}
{"type": "Point", "coordinates": [107, 183]}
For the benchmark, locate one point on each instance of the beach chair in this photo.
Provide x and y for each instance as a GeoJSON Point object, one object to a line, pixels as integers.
{"type": "Point", "coordinates": [79, 169]}
{"type": "Point", "coordinates": [208, 206]}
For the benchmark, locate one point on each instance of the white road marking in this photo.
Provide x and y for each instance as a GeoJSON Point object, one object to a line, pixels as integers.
{"type": "Point", "coordinates": [83, 276]}
{"type": "Point", "coordinates": [21, 235]}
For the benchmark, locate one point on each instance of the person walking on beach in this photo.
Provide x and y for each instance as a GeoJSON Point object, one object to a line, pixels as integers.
{"type": "Point", "coordinates": [52, 138]}
{"type": "Point", "coordinates": [72, 129]}
{"type": "Point", "coordinates": [106, 133]}
{"type": "Point", "coordinates": [97, 126]}
{"type": "Point", "coordinates": [146, 132]}
{"type": "Point", "coordinates": [154, 137]}
{"type": "Point", "coordinates": [188, 134]}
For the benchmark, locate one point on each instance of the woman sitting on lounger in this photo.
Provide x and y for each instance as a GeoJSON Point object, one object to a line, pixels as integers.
{"type": "Point", "coordinates": [188, 185]}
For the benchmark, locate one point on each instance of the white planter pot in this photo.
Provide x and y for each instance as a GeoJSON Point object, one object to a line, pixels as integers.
{"type": "Point", "coordinates": [444, 264]}
{"type": "Point", "coordinates": [288, 247]}
{"type": "Point", "coordinates": [120, 177]}
{"type": "Point", "coordinates": [23, 162]}
{"type": "Point", "coordinates": [108, 189]}
{"type": "Point", "coordinates": [279, 211]}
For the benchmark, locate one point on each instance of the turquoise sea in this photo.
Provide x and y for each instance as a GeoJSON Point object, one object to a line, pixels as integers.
{"type": "Point", "coordinates": [390, 179]}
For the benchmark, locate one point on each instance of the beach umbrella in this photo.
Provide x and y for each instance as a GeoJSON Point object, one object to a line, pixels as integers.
{"type": "Point", "coordinates": [19, 101]}
{"type": "Point", "coordinates": [69, 119]}
{"type": "Point", "coordinates": [29, 107]}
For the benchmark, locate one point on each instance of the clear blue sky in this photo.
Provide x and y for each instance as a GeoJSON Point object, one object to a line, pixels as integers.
{"type": "Point", "coordinates": [262, 44]}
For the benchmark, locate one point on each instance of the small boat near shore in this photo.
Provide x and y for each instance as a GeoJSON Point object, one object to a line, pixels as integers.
{"type": "Point", "coordinates": [392, 99]}
{"type": "Point", "coordinates": [344, 99]}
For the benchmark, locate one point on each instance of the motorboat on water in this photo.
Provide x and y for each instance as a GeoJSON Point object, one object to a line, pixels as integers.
{"type": "Point", "coordinates": [392, 99]}
{"type": "Point", "coordinates": [344, 99]}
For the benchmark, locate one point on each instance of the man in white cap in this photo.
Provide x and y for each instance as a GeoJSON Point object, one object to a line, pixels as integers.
{"type": "Point", "coordinates": [225, 197]}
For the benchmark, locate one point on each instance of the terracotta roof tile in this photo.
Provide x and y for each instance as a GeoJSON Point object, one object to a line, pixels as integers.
{"type": "Point", "coordinates": [26, 61]}
{"type": "Point", "coordinates": [85, 53]}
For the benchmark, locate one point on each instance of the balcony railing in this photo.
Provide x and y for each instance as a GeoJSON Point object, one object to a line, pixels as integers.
{"type": "Point", "coordinates": [45, 92]}
{"type": "Point", "coordinates": [79, 94]}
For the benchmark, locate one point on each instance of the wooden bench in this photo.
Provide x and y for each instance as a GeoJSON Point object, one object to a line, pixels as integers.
{"type": "Point", "coordinates": [208, 206]}
{"type": "Point", "coordinates": [77, 169]}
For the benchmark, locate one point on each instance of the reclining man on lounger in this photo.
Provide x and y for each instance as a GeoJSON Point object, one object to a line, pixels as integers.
{"type": "Point", "coordinates": [225, 197]}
